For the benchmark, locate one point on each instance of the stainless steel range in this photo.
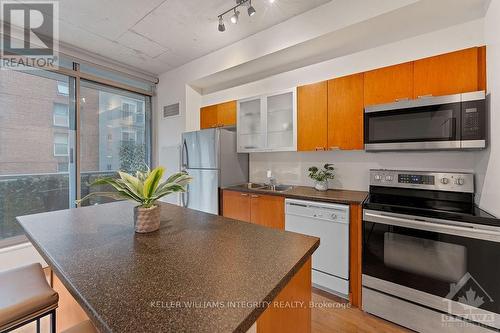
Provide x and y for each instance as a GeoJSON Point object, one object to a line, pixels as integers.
{"type": "Point", "coordinates": [430, 255]}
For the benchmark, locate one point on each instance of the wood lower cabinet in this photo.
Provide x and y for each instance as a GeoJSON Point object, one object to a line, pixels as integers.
{"type": "Point", "coordinates": [388, 84]}
{"type": "Point", "coordinates": [266, 210]}
{"type": "Point", "coordinates": [450, 73]}
{"type": "Point", "coordinates": [218, 115]}
{"type": "Point", "coordinates": [236, 205]}
{"type": "Point", "coordinates": [345, 112]}
{"type": "Point", "coordinates": [312, 113]}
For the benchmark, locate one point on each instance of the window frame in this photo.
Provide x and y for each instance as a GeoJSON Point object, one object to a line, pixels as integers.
{"type": "Point", "coordinates": [57, 143]}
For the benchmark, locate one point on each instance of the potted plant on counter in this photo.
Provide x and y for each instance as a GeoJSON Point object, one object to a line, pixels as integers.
{"type": "Point", "coordinates": [145, 188]}
{"type": "Point", "coordinates": [321, 176]}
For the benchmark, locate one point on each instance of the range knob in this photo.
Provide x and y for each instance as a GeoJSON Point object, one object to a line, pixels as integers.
{"type": "Point", "coordinates": [333, 216]}
{"type": "Point", "coordinates": [388, 178]}
{"type": "Point", "coordinates": [378, 177]}
{"type": "Point", "coordinates": [445, 180]}
{"type": "Point", "coordinates": [459, 181]}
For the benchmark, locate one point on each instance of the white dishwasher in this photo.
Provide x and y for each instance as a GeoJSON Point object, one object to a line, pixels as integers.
{"type": "Point", "coordinates": [330, 223]}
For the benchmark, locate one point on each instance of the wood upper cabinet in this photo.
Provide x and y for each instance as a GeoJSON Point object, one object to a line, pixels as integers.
{"type": "Point", "coordinates": [450, 73]}
{"type": "Point", "coordinates": [345, 112]}
{"type": "Point", "coordinates": [312, 113]}
{"type": "Point", "coordinates": [208, 116]}
{"type": "Point", "coordinates": [388, 84]}
{"type": "Point", "coordinates": [226, 113]}
{"type": "Point", "coordinates": [218, 115]}
{"type": "Point", "coordinates": [267, 210]}
{"type": "Point", "coordinates": [236, 205]}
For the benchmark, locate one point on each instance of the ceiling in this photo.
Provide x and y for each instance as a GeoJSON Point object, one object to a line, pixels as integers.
{"type": "Point", "coordinates": [156, 36]}
{"type": "Point", "coordinates": [419, 18]}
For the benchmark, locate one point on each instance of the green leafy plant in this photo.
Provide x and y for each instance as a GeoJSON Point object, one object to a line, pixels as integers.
{"type": "Point", "coordinates": [145, 188]}
{"type": "Point", "coordinates": [321, 175]}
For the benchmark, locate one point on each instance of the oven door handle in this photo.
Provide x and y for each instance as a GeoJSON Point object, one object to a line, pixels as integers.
{"type": "Point", "coordinates": [440, 227]}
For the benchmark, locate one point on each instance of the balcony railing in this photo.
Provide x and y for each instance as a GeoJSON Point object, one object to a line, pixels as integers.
{"type": "Point", "coordinates": [36, 193]}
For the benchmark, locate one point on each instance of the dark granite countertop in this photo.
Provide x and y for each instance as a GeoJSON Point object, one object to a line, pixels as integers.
{"type": "Point", "coordinates": [309, 193]}
{"type": "Point", "coordinates": [179, 279]}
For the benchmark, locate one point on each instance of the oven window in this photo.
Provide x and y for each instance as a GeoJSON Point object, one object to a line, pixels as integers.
{"type": "Point", "coordinates": [431, 262]}
{"type": "Point", "coordinates": [434, 123]}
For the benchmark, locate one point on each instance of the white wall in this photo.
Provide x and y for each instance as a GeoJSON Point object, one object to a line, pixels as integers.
{"type": "Point", "coordinates": [490, 199]}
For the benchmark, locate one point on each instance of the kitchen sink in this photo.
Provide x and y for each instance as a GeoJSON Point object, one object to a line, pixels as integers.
{"type": "Point", "coordinates": [264, 187]}
{"type": "Point", "coordinates": [277, 188]}
{"type": "Point", "coordinates": [252, 186]}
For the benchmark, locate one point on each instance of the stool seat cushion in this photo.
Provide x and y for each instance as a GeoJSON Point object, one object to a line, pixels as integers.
{"type": "Point", "coordinates": [24, 291]}
{"type": "Point", "coordinates": [83, 327]}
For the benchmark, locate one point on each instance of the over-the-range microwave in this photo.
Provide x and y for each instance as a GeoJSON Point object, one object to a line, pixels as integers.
{"type": "Point", "coordinates": [437, 123]}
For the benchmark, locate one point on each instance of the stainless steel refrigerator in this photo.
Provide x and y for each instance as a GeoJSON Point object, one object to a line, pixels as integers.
{"type": "Point", "coordinates": [210, 157]}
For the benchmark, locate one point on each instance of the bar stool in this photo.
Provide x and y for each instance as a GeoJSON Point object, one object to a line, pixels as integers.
{"type": "Point", "coordinates": [83, 327]}
{"type": "Point", "coordinates": [25, 296]}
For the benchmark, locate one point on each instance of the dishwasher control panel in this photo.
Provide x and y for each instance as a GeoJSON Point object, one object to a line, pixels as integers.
{"type": "Point", "coordinates": [318, 210]}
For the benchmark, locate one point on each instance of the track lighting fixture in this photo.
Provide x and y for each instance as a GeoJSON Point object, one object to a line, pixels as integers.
{"type": "Point", "coordinates": [251, 10]}
{"type": "Point", "coordinates": [236, 14]}
{"type": "Point", "coordinates": [222, 26]}
{"type": "Point", "coordinates": [235, 17]}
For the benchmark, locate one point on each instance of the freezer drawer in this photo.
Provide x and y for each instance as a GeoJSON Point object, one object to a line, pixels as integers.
{"type": "Point", "coordinates": [203, 192]}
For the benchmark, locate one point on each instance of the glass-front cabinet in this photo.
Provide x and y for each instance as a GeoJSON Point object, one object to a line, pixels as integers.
{"type": "Point", "coordinates": [268, 123]}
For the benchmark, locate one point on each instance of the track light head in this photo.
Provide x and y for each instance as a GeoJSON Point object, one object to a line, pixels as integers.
{"type": "Point", "coordinates": [235, 17]}
{"type": "Point", "coordinates": [222, 26]}
{"type": "Point", "coordinates": [251, 10]}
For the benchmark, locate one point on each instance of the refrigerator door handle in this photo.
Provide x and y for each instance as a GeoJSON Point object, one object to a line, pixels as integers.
{"type": "Point", "coordinates": [184, 155]}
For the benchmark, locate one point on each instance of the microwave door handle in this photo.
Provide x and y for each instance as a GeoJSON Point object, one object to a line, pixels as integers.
{"type": "Point", "coordinates": [433, 226]}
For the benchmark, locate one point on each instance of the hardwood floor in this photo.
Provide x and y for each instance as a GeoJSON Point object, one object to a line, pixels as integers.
{"type": "Point", "coordinates": [329, 315]}
{"type": "Point", "coordinates": [335, 315]}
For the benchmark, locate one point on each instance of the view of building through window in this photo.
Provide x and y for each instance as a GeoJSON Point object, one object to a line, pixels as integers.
{"type": "Point", "coordinates": [37, 141]}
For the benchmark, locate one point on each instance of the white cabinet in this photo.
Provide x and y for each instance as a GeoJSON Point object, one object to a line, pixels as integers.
{"type": "Point", "coordinates": [268, 123]}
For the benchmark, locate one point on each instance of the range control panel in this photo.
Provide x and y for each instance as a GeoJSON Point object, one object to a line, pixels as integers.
{"type": "Point", "coordinates": [441, 181]}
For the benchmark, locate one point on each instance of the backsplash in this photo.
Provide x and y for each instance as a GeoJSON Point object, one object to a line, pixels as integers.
{"type": "Point", "coordinates": [351, 167]}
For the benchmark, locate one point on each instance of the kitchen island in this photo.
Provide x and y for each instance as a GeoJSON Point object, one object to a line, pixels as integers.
{"type": "Point", "coordinates": [198, 273]}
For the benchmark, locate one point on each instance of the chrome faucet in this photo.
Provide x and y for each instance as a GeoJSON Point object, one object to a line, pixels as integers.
{"type": "Point", "coordinates": [271, 180]}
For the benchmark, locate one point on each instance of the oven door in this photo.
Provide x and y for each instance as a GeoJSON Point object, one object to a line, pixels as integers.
{"type": "Point", "coordinates": [446, 265]}
{"type": "Point", "coordinates": [411, 128]}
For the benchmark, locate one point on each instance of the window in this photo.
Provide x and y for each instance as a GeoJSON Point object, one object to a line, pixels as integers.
{"type": "Point", "coordinates": [61, 144]}
{"type": "Point", "coordinates": [61, 115]}
{"type": "Point", "coordinates": [128, 111]}
{"type": "Point", "coordinates": [129, 135]}
{"type": "Point", "coordinates": [62, 88]}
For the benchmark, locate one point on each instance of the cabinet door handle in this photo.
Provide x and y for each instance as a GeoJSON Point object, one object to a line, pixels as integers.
{"type": "Point", "coordinates": [425, 96]}
{"type": "Point", "coordinates": [254, 196]}
{"type": "Point", "coordinates": [404, 99]}
{"type": "Point", "coordinates": [335, 148]}
{"type": "Point", "coordinates": [244, 194]}
{"type": "Point", "coordinates": [320, 148]}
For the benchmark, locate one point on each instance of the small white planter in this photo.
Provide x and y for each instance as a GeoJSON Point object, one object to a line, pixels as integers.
{"type": "Point", "coordinates": [146, 219]}
{"type": "Point", "coordinates": [321, 186]}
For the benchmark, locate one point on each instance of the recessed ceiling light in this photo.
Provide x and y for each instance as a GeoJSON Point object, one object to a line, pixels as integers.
{"type": "Point", "coordinates": [271, 1]}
